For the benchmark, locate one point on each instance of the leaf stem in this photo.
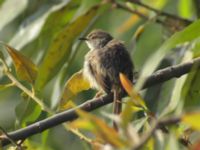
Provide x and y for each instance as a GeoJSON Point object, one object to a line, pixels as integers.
{"type": "Point", "coordinates": [28, 92]}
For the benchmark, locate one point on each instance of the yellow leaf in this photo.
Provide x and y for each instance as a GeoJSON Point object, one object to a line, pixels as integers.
{"type": "Point", "coordinates": [128, 86]}
{"type": "Point", "coordinates": [130, 22]}
{"type": "Point", "coordinates": [25, 68]}
{"type": "Point", "coordinates": [73, 86]}
{"type": "Point", "coordinates": [102, 131]}
{"type": "Point", "coordinates": [82, 124]}
{"type": "Point", "coordinates": [192, 119]}
{"type": "Point", "coordinates": [138, 32]}
{"type": "Point", "coordinates": [128, 111]}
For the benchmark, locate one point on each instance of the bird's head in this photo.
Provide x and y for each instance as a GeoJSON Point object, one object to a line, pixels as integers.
{"type": "Point", "coordinates": [97, 39]}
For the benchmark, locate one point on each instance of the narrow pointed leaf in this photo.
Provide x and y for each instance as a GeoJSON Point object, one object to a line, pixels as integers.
{"type": "Point", "coordinates": [102, 130]}
{"type": "Point", "coordinates": [25, 68]}
{"type": "Point", "coordinates": [128, 86]}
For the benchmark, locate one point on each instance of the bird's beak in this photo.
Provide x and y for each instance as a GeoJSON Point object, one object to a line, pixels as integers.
{"type": "Point", "coordinates": [83, 38]}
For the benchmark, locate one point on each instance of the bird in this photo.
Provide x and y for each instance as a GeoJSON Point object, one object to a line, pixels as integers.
{"type": "Point", "coordinates": [106, 59]}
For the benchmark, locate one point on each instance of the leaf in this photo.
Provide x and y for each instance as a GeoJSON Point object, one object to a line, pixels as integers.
{"type": "Point", "coordinates": [139, 31]}
{"type": "Point", "coordinates": [185, 9]}
{"type": "Point", "coordinates": [44, 26]}
{"type": "Point", "coordinates": [100, 129]}
{"type": "Point", "coordinates": [32, 25]}
{"type": "Point", "coordinates": [191, 88]}
{"type": "Point", "coordinates": [59, 50]}
{"type": "Point", "coordinates": [73, 86]}
{"type": "Point", "coordinates": [134, 104]}
{"type": "Point", "coordinates": [177, 93]}
{"type": "Point", "coordinates": [10, 9]}
{"type": "Point", "coordinates": [25, 68]}
{"type": "Point", "coordinates": [62, 16]}
{"type": "Point", "coordinates": [192, 119]}
{"type": "Point", "coordinates": [27, 111]}
{"type": "Point", "coordinates": [128, 86]}
{"type": "Point", "coordinates": [189, 34]}
{"type": "Point", "coordinates": [131, 21]}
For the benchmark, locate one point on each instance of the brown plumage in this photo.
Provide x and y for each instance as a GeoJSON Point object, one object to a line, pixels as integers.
{"type": "Point", "coordinates": [103, 63]}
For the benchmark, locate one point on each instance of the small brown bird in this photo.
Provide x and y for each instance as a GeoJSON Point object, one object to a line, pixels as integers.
{"type": "Point", "coordinates": [103, 63]}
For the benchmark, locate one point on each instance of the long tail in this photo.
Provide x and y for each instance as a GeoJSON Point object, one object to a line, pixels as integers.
{"type": "Point", "coordinates": [117, 108]}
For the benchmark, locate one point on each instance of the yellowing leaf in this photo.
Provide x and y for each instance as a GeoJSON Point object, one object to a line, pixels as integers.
{"type": "Point", "coordinates": [74, 85]}
{"type": "Point", "coordinates": [138, 32]}
{"type": "Point", "coordinates": [82, 124]}
{"type": "Point", "coordinates": [60, 48]}
{"type": "Point", "coordinates": [128, 111]}
{"type": "Point", "coordinates": [128, 86]}
{"type": "Point", "coordinates": [192, 119]}
{"type": "Point", "coordinates": [102, 131]}
{"type": "Point", "coordinates": [25, 68]}
{"type": "Point", "coordinates": [131, 21]}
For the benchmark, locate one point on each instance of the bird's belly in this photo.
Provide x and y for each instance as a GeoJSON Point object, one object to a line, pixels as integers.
{"type": "Point", "coordinates": [87, 73]}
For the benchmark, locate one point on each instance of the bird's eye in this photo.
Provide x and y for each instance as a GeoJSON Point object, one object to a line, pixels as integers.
{"type": "Point", "coordinates": [93, 37]}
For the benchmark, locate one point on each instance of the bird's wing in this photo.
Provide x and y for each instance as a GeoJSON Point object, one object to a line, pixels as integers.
{"type": "Point", "coordinates": [114, 59]}
{"type": "Point", "coordinates": [98, 72]}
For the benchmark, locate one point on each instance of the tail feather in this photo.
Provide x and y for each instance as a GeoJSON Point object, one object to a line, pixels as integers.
{"type": "Point", "coordinates": [117, 108]}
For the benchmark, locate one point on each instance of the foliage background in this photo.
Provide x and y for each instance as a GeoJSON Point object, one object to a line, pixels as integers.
{"type": "Point", "coordinates": [30, 27]}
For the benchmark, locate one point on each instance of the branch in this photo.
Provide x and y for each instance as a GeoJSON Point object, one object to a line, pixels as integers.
{"type": "Point", "coordinates": [175, 71]}
{"type": "Point", "coordinates": [159, 12]}
{"type": "Point", "coordinates": [69, 115]}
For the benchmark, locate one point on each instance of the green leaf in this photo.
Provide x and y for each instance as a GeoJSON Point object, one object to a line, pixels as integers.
{"type": "Point", "coordinates": [4, 86]}
{"type": "Point", "coordinates": [185, 9]}
{"type": "Point", "coordinates": [189, 34]}
{"type": "Point", "coordinates": [59, 50]}
{"type": "Point", "coordinates": [27, 111]}
{"type": "Point", "coordinates": [192, 119]}
{"type": "Point", "coordinates": [62, 17]}
{"type": "Point", "coordinates": [25, 68]}
{"type": "Point", "coordinates": [31, 26]}
{"type": "Point", "coordinates": [191, 90]}
{"type": "Point", "coordinates": [73, 86]}
{"type": "Point", "coordinates": [177, 94]}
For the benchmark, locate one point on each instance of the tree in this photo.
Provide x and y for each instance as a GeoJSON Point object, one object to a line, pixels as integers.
{"type": "Point", "coordinates": [42, 84]}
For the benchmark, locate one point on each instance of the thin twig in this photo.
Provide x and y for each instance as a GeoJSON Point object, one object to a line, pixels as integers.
{"type": "Point", "coordinates": [159, 12]}
{"type": "Point", "coordinates": [5, 135]}
{"type": "Point", "coordinates": [31, 94]}
{"type": "Point", "coordinates": [28, 92]}
{"type": "Point", "coordinates": [126, 8]}
{"type": "Point", "coordinates": [121, 6]}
